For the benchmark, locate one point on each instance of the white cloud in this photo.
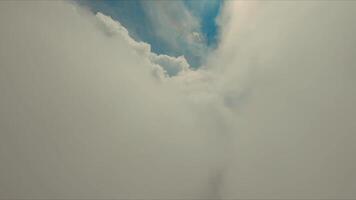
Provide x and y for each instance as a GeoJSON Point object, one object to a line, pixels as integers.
{"type": "Point", "coordinates": [269, 116]}
{"type": "Point", "coordinates": [168, 65]}
{"type": "Point", "coordinates": [181, 30]}
{"type": "Point", "coordinates": [175, 16]}
{"type": "Point", "coordinates": [294, 131]}
{"type": "Point", "coordinates": [83, 117]}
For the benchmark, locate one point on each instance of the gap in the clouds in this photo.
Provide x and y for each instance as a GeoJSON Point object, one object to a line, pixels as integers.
{"type": "Point", "coordinates": [206, 11]}
{"type": "Point", "coordinates": [136, 16]}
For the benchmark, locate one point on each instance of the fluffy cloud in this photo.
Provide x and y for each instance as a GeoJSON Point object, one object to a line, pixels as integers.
{"type": "Point", "coordinates": [82, 116]}
{"type": "Point", "coordinates": [88, 112]}
{"type": "Point", "coordinates": [168, 65]}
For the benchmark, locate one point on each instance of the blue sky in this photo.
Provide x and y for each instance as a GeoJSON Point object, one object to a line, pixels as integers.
{"type": "Point", "coordinates": [173, 28]}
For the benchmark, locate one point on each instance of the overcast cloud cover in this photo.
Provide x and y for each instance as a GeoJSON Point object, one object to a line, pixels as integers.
{"type": "Point", "coordinates": [88, 112]}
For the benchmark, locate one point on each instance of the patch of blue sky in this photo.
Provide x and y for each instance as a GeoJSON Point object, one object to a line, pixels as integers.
{"type": "Point", "coordinates": [206, 11]}
{"type": "Point", "coordinates": [143, 24]}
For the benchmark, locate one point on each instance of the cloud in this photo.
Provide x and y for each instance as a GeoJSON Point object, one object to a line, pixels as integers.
{"type": "Point", "coordinates": [82, 116]}
{"type": "Point", "coordinates": [168, 65]}
{"type": "Point", "coordinates": [294, 131]}
{"type": "Point", "coordinates": [178, 28]}
{"type": "Point", "coordinates": [172, 28]}
{"type": "Point", "coordinates": [88, 112]}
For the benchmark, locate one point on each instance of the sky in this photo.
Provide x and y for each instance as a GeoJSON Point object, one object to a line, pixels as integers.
{"type": "Point", "coordinates": [90, 110]}
{"type": "Point", "coordinates": [174, 28]}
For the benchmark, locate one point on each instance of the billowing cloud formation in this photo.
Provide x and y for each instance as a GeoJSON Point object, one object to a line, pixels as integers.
{"type": "Point", "coordinates": [168, 65]}
{"type": "Point", "coordinates": [87, 112]}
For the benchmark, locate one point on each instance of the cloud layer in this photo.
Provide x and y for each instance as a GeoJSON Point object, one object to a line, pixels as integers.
{"type": "Point", "coordinates": [88, 112]}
